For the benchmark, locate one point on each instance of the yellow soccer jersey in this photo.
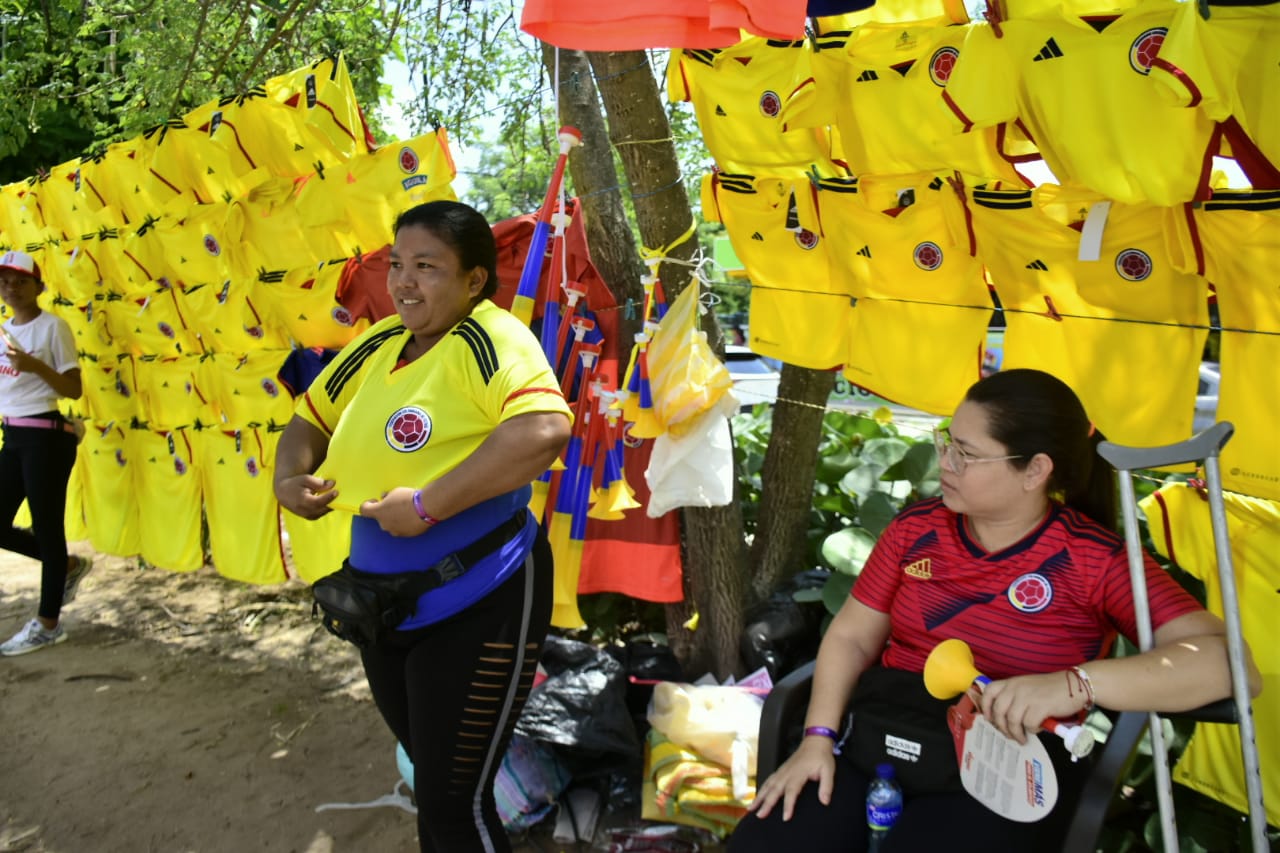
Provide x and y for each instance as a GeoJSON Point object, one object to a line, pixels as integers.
{"type": "Point", "coordinates": [109, 490]}
{"type": "Point", "coordinates": [276, 237]}
{"type": "Point", "coordinates": [245, 390]}
{"type": "Point", "coordinates": [363, 196]}
{"type": "Point", "coordinates": [170, 395]}
{"type": "Point", "coordinates": [1086, 99]}
{"type": "Point", "coordinates": [65, 209]}
{"type": "Point", "coordinates": [488, 369]}
{"type": "Point", "coordinates": [324, 104]}
{"type": "Point", "coordinates": [1104, 327]}
{"type": "Point", "coordinates": [226, 319]}
{"type": "Point", "coordinates": [205, 244]}
{"type": "Point", "coordinates": [1230, 238]}
{"type": "Point", "coordinates": [921, 305]}
{"type": "Point", "coordinates": [110, 390]}
{"type": "Point", "coordinates": [149, 323]}
{"type": "Point", "coordinates": [117, 180]}
{"type": "Point", "coordinates": [317, 548]}
{"type": "Point", "coordinates": [737, 95]}
{"type": "Point", "coordinates": [304, 303]}
{"type": "Point", "coordinates": [1226, 65]}
{"type": "Point", "coordinates": [240, 505]}
{"type": "Point", "coordinates": [166, 489]}
{"type": "Point", "coordinates": [183, 161]}
{"type": "Point", "coordinates": [798, 308]}
{"type": "Point", "coordinates": [1182, 531]}
{"type": "Point", "coordinates": [256, 132]}
{"type": "Point", "coordinates": [880, 85]}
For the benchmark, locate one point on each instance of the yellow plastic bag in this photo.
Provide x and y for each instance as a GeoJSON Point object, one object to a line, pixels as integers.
{"type": "Point", "coordinates": [687, 378]}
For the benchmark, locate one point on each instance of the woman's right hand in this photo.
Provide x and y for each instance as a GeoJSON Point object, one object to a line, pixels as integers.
{"type": "Point", "coordinates": [814, 761]}
{"type": "Point", "coordinates": [305, 495]}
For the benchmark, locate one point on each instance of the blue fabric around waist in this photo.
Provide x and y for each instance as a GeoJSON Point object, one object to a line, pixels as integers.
{"type": "Point", "coordinates": [375, 550]}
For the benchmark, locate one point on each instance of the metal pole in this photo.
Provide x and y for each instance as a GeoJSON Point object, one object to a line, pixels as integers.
{"type": "Point", "coordinates": [1235, 655]}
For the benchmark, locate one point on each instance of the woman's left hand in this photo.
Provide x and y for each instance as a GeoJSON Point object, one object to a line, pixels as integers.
{"type": "Point", "coordinates": [1017, 706]}
{"type": "Point", "coordinates": [395, 513]}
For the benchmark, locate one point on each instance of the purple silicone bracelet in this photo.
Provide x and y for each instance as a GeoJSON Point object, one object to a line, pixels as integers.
{"type": "Point", "coordinates": [823, 731]}
{"type": "Point", "coordinates": [430, 519]}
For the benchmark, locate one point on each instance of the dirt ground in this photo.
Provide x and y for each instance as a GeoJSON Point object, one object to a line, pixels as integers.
{"type": "Point", "coordinates": [188, 714]}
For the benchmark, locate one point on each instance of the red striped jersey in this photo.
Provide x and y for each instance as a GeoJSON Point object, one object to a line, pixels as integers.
{"type": "Point", "coordinates": [1055, 599]}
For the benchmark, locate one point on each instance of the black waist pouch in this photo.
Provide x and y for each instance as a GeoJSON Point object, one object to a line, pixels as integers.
{"type": "Point", "coordinates": [360, 607]}
{"type": "Point", "coordinates": [896, 721]}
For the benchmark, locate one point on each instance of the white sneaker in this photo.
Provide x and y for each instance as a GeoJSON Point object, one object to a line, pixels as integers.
{"type": "Point", "coordinates": [32, 638]}
{"type": "Point", "coordinates": [80, 568]}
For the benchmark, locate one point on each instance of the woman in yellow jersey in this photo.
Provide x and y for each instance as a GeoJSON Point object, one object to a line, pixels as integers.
{"type": "Point", "coordinates": [37, 366]}
{"type": "Point", "coordinates": [428, 429]}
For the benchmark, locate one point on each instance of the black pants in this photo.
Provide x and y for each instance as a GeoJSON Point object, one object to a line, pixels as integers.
{"type": "Point", "coordinates": [952, 822]}
{"type": "Point", "coordinates": [452, 692]}
{"type": "Point", "coordinates": [35, 464]}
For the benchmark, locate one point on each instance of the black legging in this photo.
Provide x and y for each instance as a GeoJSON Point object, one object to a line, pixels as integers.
{"type": "Point", "coordinates": [953, 823]}
{"type": "Point", "coordinates": [35, 464]}
{"type": "Point", "coordinates": [452, 692]}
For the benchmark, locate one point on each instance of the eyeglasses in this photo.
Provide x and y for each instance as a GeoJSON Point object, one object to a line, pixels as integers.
{"type": "Point", "coordinates": [955, 458]}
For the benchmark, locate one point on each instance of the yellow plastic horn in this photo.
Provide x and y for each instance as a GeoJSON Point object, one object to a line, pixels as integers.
{"type": "Point", "coordinates": [949, 669]}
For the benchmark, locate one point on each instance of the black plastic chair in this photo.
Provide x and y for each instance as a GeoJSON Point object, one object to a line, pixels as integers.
{"type": "Point", "coordinates": [782, 722]}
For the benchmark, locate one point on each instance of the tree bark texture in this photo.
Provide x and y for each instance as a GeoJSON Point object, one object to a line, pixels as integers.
{"type": "Point", "coordinates": [596, 182]}
{"type": "Point", "coordinates": [787, 478]}
{"type": "Point", "coordinates": [713, 552]}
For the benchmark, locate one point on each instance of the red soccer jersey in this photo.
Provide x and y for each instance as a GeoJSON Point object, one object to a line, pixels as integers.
{"type": "Point", "coordinates": [1051, 601]}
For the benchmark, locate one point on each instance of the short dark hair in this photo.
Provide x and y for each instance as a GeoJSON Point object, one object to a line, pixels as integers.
{"type": "Point", "coordinates": [462, 228]}
{"type": "Point", "coordinates": [1030, 412]}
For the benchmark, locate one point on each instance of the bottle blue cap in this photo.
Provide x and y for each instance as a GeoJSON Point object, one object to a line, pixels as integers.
{"type": "Point", "coordinates": [884, 771]}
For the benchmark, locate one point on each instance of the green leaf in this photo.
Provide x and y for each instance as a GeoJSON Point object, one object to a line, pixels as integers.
{"type": "Point", "coordinates": [863, 480]}
{"type": "Point", "coordinates": [846, 550]}
{"type": "Point", "coordinates": [833, 468]}
{"type": "Point", "coordinates": [836, 590]}
{"type": "Point", "coordinates": [876, 512]}
{"type": "Point", "coordinates": [884, 451]}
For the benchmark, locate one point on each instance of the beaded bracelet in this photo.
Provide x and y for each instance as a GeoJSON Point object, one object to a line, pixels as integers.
{"type": "Point", "coordinates": [422, 513]}
{"type": "Point", "coordinates": [823, 731]}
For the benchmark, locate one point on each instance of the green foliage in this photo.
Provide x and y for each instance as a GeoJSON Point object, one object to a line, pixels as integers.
{"type": "Point", "coordinates": [78, 72]}
{"type": "Point", "coordinates": [867, 470]}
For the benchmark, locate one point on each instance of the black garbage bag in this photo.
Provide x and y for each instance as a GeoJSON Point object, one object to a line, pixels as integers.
{"type": "Point", "coordinates": [781, 633]}
{"type": "Point", "coordinates": [581, 710]}
{"type": "Point", "coordinates": [645, 661]}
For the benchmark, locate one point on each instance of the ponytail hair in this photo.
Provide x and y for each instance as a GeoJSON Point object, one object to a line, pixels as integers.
{"type": "Point", "coordinates": [1029, 412]}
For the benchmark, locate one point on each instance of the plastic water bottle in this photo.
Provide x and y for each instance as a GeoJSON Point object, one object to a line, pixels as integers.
{"type": "Point", "coordinates": [884, 805]}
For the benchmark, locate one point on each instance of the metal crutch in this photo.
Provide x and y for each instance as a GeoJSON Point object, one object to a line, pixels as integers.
{"type": "Point", "coordinates": [1206, 446]}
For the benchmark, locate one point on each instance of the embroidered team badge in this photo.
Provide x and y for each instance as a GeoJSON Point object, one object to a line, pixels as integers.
{"type": "Point", "coordinates": [179, 466]}
{"type": "Point", "coordinates": [269, 386]}
{"type": "Point", "coordinates": [342, 316]}
{"type": "Point", "coordinates": [251, 466]}
{"type": "Point", "coordinates": [408, 429]}
{"type": "Point", "coordinates": [1031, 593]}
{"type": "Point", "coordinates": [166, 330]}
{"type": "Point", "coordinates": [1133, 264]}
{"type": "Point", "coordinates": [409, 164]}
{"type": "Point", "coordinates": [806, 239]}
{"type": "Point", "coordinates": [211, 245]}
{"type": "Point", "coordinates": [928, 256]}
{"type": "Point", "coordinates": [941, 64]}
{"type": "Point", "coordinates": [770, 103]}
{"type": "Point", "coordinates": [1142, 53]}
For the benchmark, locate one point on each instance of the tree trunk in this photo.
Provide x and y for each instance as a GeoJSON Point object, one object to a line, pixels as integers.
{"type": "Point", "coordinates": [596, 182]}
{"type": "Point", "coordinates": [786, 490]}
{"type": "Point", "coordinates": [714, 554]}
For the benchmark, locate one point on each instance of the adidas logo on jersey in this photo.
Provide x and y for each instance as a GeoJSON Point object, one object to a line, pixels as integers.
{"type": "Point", "coordinates": [758, 236]}
{"type": "Point", "coordinates": [720, 111]}
{"type": "Point", "coordinates": [865, 251]}
{"type": "Point", "coordinates": [1038, 264]}
{"type": "Point", "coordinates": [867, 76]}
{"type": "Point", "coordinates": [1049, 51]}
{"type": "Point", "coordinates": [922, 569]}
